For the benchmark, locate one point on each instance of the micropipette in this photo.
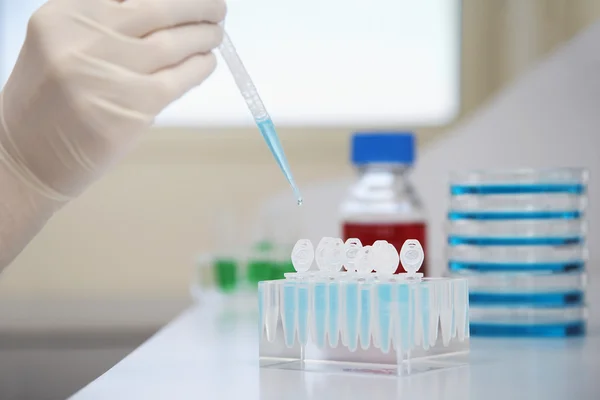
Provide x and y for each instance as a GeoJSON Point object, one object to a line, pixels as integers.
{"type": "Point", "coordinates": [257, 108]}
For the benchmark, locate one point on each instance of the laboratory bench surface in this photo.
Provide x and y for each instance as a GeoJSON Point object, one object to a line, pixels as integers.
{"type": "Point", "coordinates": [198, 356]}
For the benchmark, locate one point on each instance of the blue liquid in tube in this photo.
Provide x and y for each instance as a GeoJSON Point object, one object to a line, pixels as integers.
{"type": "Point", "coordinates": [267, 129]}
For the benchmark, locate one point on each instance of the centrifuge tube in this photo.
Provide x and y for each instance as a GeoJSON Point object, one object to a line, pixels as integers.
{"type": "Point", "coordinates": [364, 260]}
{"type": "Point", "coordinates": [330, 254]}
{"type": "Point", "coordinates": [351, 247]}
{"type": "Point", "coordinates": [303, 255]}
{"type": "Point", "coordinates": [411, 256]}
{"type": "Point", "coordinates": [385, 257]}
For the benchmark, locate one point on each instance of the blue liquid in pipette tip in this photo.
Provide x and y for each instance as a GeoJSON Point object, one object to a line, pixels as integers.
{"type": "Point", "coordinates": [267, 129]}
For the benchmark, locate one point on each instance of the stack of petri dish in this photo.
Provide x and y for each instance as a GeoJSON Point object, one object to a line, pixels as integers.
{"type": "Point", "coordinates": [519, 238]}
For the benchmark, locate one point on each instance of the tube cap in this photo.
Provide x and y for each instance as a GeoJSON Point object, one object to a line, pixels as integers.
{"type": "Point", "coordinates": [383, 148]}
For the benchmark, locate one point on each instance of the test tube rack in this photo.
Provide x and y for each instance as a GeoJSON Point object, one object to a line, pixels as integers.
{"type": "Point", "coordinates": [355, 320]}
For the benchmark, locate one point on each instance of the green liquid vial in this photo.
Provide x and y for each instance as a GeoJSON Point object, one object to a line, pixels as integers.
{"type": "Point", "coordinates": [261, 270]}
{"type": "Point", "coordinates": [261, 266]}
{"type": "Point", "coordinates": [226, 274]}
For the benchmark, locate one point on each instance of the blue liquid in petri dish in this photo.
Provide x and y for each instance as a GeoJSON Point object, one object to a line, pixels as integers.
{"type": "Point", "coordinates": [556, 330]}
{"type": "Point", "coordinates": [508, 215]}
{"type": "Point", "coordinates": [574, 188]}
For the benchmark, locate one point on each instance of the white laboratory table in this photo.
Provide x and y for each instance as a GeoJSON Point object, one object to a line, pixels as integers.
{"type": "Point", "coordinates": [195, 357]}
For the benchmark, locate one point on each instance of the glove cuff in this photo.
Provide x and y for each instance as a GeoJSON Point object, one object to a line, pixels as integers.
{"type": "Point", "coordinates": [10, 157]}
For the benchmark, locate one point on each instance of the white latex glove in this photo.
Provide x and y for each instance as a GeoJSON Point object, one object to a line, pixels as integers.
{"type": "Point", "coordinates": [92, 76]}
{"type": "Point", "coordinates": [90, 79]}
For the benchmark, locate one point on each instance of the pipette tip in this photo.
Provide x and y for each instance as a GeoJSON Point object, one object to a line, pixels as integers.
{"type": "Point", "coordinates": [297, 194]}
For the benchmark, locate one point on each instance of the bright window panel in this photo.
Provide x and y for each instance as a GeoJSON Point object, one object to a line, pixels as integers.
{"type": "Point", "coordinates": [368, 63]}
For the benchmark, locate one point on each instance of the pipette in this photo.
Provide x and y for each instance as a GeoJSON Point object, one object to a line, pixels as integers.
{"type": "Point", "coordinates": [257, 108]}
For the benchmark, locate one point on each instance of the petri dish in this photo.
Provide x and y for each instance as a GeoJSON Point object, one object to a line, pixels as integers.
{"type": "Point", "coordinates": [519, 181]}
{"type": "Point", "coordinates": [503, 321]}
{"type": "Point", "coordinates": [567, 258]}
{"type": "Point", "coordinates": [516, 232]}
{"type": "Point", "coordinates": [525, 202]}
{"type": "Point", "coordinates": [526, 289]}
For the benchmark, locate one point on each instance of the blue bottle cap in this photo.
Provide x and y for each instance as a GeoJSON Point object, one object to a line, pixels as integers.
{"type": "Point", "coordinates": [383, 148]}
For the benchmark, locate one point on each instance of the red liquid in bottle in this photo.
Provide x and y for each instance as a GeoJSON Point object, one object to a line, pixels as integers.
{"type": "Point", "coordinates": [395, 233]}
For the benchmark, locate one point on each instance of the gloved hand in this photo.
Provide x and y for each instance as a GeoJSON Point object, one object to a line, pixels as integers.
{"type": "Point", "coordinates": [91, 77]}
